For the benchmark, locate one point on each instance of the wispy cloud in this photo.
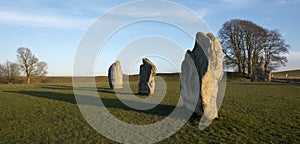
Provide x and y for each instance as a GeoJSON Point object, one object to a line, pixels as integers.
{"type": "Point", "coordinates": [238, 3]}
{"type": "Point", "coordinates": [284, 2]}
{"type": "Point", "coordinates": [38, 20]}
{"type": "Point", "coordinates": [203, 12]}
{"type": "Point", "coordinates": [206, 8]}
{"type": "Point", "coordinates": [78, 15]}
{"type": "Point", "coordinates": [183, 15]}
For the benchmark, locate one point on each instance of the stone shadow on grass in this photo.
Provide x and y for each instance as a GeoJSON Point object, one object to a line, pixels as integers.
{"type": "Point", "coordinates": [99, 89]}
{"type": "Point", "coordinates": [57, 87]}
{"type": "Point", "coordinates": [160, 110]}
{"type": "Point", "coordinates": [111, 91]}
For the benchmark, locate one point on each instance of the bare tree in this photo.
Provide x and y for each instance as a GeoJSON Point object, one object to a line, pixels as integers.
{"type": "Point", "coordinates": [273, 50]}
{"type": "Point", "coordinates": [9, 72]}
{"type": "Point", "coordinates": [247, 46]}
{"type": "Point", "coordinates": [2, 73]}
{"type": "Point", "coordinates": [231, 39]}
{"type": "Point", "coordinates": [30, 64]}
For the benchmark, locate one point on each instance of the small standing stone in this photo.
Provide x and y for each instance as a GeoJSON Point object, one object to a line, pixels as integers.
{"type": "Point", "coordinates": [115, 75]}
{"type": "Point", "coordinates": [261, 75]}
{"type": "Point", "coordinates": [147, 73]}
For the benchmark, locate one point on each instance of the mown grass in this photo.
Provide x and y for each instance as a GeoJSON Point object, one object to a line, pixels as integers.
{"type": "Point", "coordinates": [250, 113]}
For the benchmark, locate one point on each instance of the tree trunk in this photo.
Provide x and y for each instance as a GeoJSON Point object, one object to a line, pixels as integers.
{"type": "Point", "coordinates": [244, 70]}
{"type": "Point", "coordinates": [240, 68]}
{"type": "Point", "coordinates": [249, 69]}
{"type": "Point", "coordinates": [28, 79]}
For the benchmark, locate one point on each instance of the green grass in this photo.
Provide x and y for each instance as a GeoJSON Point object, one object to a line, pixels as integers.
{"type": "Point", "coordinates": [250, 113]}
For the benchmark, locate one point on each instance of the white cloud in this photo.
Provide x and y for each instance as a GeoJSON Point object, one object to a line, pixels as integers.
{"type": "Point", "coordinates": [203, 12]}
{"type": "Point", "coordinates": [293, 61]}
{"type": "Point", "coordinates": [38, 20]}
{"type": "Point", "coordinates": [268, 19]}
{"type": "Point", "coordinates": [238, 3]}
{"type": "Point", "coordinates": [283, 2]}
{"type": "Point", "coordinates": [148, 9]}
{"type": "Point", "coordinates": [51, 18]}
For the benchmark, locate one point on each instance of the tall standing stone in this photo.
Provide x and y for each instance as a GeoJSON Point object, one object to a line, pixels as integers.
{"type": "Point", "coordinates": [201, 71]}
{"type": "Point", "coordinates": [147, 73]}
{"type": "Point", "coordinates": [115, 75]}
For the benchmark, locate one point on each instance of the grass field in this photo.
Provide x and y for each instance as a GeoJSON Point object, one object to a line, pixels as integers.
{"type": "Point", "coordinates": [250, 113]}
{"type": "Point", "coordinates": [291, 73]}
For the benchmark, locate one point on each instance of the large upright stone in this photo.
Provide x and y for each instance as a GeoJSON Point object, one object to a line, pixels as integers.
{"type": "Point", "coordinates": [201, 71]}
{"type": "Point", "coordinates": [261, 75]}
{"type": "Point", "coordinates": [147, 73]}
{"type": "Point", "coordinates": [115, 75]}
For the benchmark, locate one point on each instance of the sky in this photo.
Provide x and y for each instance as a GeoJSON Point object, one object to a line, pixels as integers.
{"type": "Point", "coordinates": [54, 30]}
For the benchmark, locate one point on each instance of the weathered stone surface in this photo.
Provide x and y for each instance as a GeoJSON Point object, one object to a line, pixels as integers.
{"type": "Point", "coordinates": [259, 74]}
{"type": "Point", "coordinates": [201, 71]}
{"type": "Point", "coordinates": [147, 73]}
{"type": "Point", "coordinates": [115, 75]}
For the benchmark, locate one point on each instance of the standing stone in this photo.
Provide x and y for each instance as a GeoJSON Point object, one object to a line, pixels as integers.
{"type": "Point", "coordinates": [261, 75]}
{"type": "Point", "coordinates": [201, 71]}
{"type": "Point", "coordinates": [147, 73]}
{"type": "Point", "coordinates": [115, 75]}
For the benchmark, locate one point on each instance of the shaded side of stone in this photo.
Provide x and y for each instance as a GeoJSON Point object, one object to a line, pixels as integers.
{"type": "Point", "coordinates": [115, 76]}
{"type": "Point", "coordinates": [147, 73]}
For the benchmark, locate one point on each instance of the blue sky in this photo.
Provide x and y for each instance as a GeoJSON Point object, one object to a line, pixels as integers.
{"type": "Point", "coordinates": [53, 29]}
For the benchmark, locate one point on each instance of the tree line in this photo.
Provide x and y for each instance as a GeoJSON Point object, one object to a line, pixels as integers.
{"type": "Point", "coordinates": [27, 64]}
{"type": "Point", "coordinates": [247, 46]}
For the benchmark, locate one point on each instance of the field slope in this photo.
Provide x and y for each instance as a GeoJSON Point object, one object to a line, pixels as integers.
{"type": "Point", "coordinates": [291, 73]}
